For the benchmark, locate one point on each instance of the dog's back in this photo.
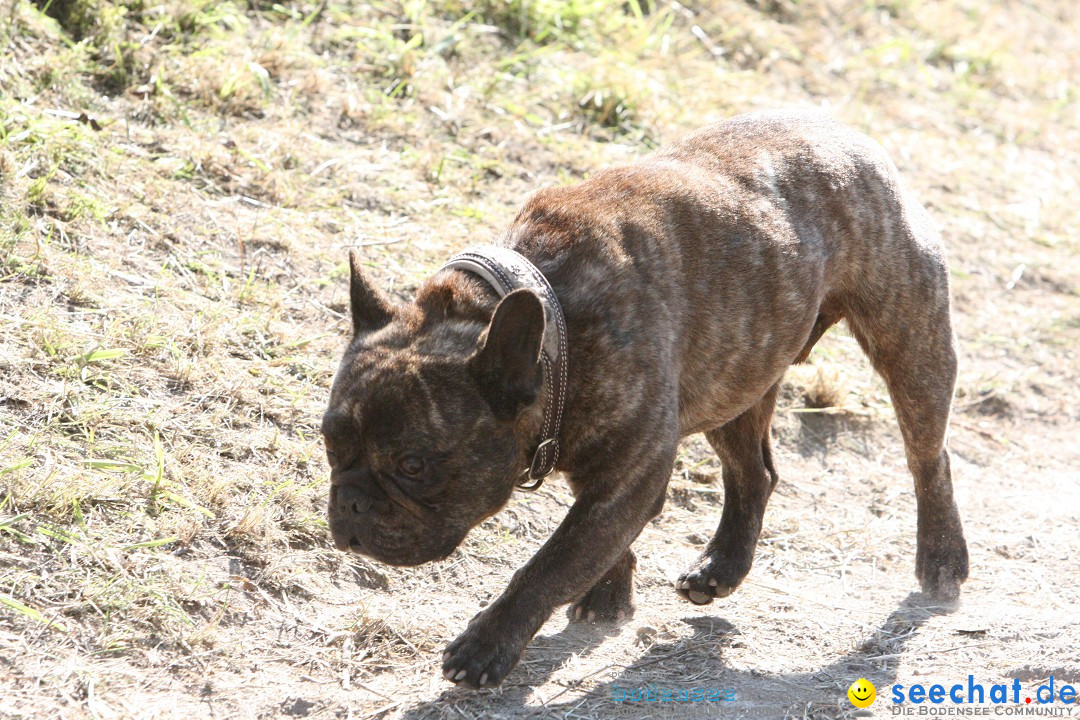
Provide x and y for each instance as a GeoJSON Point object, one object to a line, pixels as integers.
{"type": "Point", "coordinates": [745, 240]}
{"type": "Point", "coordinates": [832, 185]}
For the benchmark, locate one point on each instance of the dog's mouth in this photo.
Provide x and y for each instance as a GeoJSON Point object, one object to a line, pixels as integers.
{"type": "Point", "coordinates": [346, 544]}
{"type": "Point", "coordinates": [352, 545]}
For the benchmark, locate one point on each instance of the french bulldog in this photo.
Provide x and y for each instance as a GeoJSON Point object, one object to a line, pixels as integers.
{"type": "Point", "coordinates": [682, 286]}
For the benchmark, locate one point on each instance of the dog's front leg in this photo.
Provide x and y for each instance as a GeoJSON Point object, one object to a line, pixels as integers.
{"type": "Point", "coordinates": [607, 516]}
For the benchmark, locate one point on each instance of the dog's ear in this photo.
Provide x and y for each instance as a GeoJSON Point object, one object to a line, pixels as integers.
{"type": "Point", "coordinates": [507, 367]}
{"type": "Point", "coordinates": [371, 309]}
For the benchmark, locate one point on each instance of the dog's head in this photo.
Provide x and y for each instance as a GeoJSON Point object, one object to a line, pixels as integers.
{"type": "Point", "coordinates": [430, 415]}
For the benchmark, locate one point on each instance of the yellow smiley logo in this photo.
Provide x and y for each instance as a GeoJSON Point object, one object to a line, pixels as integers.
{"type": "Point", "coordinates": [862, 693]}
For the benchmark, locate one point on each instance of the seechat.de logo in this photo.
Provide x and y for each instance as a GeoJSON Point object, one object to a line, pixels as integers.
{"type": "Point", "coordinates": [862, 693]}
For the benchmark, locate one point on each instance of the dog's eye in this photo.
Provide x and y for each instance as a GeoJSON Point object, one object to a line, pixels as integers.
{"type": "Point", "coordinates": [410, 465]}
{"type": "Point", "coordinates": [331, 457]}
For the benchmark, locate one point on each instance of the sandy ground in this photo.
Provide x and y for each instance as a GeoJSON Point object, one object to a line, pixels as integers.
{"type": "Point", "coordinates": [831, 598]}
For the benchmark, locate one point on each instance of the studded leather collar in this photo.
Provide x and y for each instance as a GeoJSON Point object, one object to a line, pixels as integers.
{"type": "Point", "coordinates": [507, 270]}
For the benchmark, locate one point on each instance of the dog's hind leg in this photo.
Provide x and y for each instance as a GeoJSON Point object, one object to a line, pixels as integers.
{"type": "Point", "coordinates": [612, 597]}
{"type": "Point", "coordinates": [749, 478]}
{"type": "Point", "coordinates": [910, 341]}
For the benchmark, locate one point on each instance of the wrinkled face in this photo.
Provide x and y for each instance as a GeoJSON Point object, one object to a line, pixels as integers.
{"type": "Point", "coordinates": [422, 428]}
{"type": "Point", "coordinates": [417, 457]}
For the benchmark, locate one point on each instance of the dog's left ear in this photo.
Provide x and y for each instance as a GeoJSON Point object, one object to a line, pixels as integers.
{"type": "Point", "coordinates": [371, 309]}
{"type": "Point", "coordinates": [507, 368]}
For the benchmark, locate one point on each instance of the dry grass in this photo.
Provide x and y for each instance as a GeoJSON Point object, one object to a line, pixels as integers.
{"type": "Point", "coordinates": [178, 184]}
{"type": "Point", "coordinates": [827, 390]}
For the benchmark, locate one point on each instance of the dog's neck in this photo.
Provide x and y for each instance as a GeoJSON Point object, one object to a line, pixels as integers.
{"type": "Point", "coordinates": [457, 306]}
{"type": "Point", "coordinates": [455, 295]}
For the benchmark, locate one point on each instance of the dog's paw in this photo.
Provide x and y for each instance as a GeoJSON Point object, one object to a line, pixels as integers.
{"type": "Point", "coordinates": [941, 568]}
{"type": "Point", "coordinates": [710, 578]}
{"type": "Point", "coordinates": [605, 602]}
{"type": "Point", "coordinates": [481, 656]}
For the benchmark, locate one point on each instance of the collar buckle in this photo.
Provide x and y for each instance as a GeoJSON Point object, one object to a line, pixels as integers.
{"type": "Point", "coordinates": [542, 465]}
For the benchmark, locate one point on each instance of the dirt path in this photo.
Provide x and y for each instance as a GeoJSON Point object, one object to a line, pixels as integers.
{"type": "Point", "coordinates": [831, 599]}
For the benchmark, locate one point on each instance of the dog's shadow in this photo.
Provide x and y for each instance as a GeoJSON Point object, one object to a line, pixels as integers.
{"type": "Point", "coordinates": [684, 665]}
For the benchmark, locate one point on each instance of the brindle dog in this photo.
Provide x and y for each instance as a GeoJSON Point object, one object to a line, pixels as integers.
{"type": "Point", "coordinates": [689, 281]}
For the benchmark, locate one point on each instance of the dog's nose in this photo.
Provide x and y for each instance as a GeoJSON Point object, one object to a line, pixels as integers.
{"type": "Point", "coordinates": [351, 500]}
